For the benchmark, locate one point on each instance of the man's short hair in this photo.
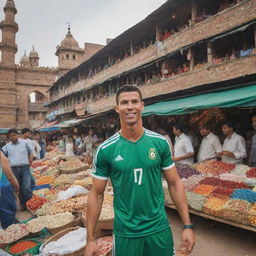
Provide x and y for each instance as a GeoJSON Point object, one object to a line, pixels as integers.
{"type": "Point", "coordinates": [179, 127]}
{"type": "Point", "coordinates": [12, 131]}
{"type": "Point", "coordinates": [25, 130]}
{"type": "Point", "coordinates": [230, 124]}
{"type": "Point", "coordinates": [206, 126]}
{"type": "Point", "coordinates": [128, 88]}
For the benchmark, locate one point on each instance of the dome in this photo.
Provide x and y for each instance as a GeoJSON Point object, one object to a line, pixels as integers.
{"type": "Point", "coordinates": [69, 42]}
{"type": "Point", "coordinates": [33, 53]}
{"type": "Point", "coordinates": [10, 4]}
{"type": "Point", "coordinates": [24, 60]}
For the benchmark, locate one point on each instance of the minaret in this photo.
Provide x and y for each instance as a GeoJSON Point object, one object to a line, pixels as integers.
{"type": "Point", "coordinates": [34, 57]}
{"type": "Point", "coordinates": [69, 54]}
{"type": "Point", "coordinates": [9, 29]}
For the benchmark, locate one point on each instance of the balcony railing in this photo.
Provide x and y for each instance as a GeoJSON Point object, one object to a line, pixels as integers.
{"type": "Point", "coordinates": [206, 75]}
{"type": "Point", "coordinates": [232, 17]}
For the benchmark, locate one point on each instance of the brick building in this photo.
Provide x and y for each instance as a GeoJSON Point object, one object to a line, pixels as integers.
{"type": "Point", "coordinates": [184, 47]}
{"type": "Point", "coordinates": [18, 81]}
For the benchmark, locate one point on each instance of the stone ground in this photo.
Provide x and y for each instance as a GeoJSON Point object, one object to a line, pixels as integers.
{"type": "Point", "coordinates": [215, 238]}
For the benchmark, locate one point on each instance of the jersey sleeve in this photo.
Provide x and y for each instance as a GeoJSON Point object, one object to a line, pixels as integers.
{"type": "Point", "coordinates": [166, 161]}
{"type": "Point", "coordinates": [100, 165]}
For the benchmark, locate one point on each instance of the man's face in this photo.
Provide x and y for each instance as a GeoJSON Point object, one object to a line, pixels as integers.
{"type": "Point", "coordinates": [226, 129]}
{"type": "Point", "coordinates": [175, 131]}
{"type": "Point", "coordinates": [13, 137]}
{"type": "Point", "coordinates": [28, 135]}
{"type": "Point", "coordinates": [204, 131]}
{"type": "Point", "coordinates": [91, 132]}
{"type": "Point", "coordinates": [129, 107]}
{"type": "Point", "coordinates": [254, 122]}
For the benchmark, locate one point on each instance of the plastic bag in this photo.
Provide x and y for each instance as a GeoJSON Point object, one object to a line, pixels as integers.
{"type": "Point", "coordinates": [72, 191]}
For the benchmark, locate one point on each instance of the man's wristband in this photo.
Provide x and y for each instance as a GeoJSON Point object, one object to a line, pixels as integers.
{"type": "Point", "coordinates": [191, 226]}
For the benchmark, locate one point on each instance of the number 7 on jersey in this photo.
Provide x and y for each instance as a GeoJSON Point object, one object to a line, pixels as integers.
{"type": "Point", "coordinates": [138, 175]}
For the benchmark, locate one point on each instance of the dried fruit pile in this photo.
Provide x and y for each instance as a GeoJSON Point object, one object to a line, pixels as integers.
{"type": "Point", "coordinates": [62, 179]}
{"type": "Point", "coordinates": [105, 245]}
{"type": "Point", "coordinates": [244, 194]}
{"type": "Point", "coordinates": [35, 203]}
{"type": "Point", "coordinates": [22, 247]}
{"type": "Point", "coordinates": [214, 205]}
{"type": "Point", "coordinates": [240, 169]}
{"type": "Point", "coordinates": [214, 168]}
{"type": "Point", "coordinates": [186, 171]}
{"type": "Point", "coordinates": [13, 233]}
{"type": "Point", "coordinates": [222, 192]}
{"type": "Point", "coordinates": [76, 204]}
{"type": "Point", "coordinates": [50, 221]}
{"type": "Point", "coordinates": [204, 190]}
{"type": "Point", "coordinates": [44, 180]}
{"type": "Point", "coordinates": [222, 183]}
{"type": "Point", "coordinates": [252, 215]}
{"type": "Point", "coordinates": [236, 210]}
{"type": "Point", "coordinates": [231, 177]}
{"type": "Point", "coordinates": [195, 201]}
{"type": "Point", "coordinates": [251, 173]}
{"type": "Point", "coordinates": [191, 182]}
{"type": "Point", "coordinates": [69, 165]}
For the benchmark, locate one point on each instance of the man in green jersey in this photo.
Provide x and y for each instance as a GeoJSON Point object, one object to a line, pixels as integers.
{"type": "Point", "coordinates": [134, 159]}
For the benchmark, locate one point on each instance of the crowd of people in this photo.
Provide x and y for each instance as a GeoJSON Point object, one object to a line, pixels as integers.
{"type": "Point", "coordinates": [17, 156]}
{"type": "Point", "coordinates": [21, 149]}
{"type": "Point", "coordinates": [187, 148]}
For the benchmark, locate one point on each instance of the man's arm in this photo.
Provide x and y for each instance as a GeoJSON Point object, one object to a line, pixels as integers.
{"type": "Point", "coordinates": [178, 158]}
{"type": "Point", "coordinates": [30, 158]}
{"type": "Point", "coordinates": [8, 172]}
{"type": "Point", "coordinates": [30, 151]}
{"type": "Point", "coordinates": [178, 195]}
{"type": "Point", "coordinates": [94, 205]}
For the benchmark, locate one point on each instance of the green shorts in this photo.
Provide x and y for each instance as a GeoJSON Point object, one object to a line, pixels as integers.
{"type": "Point", "coordinates": [158, 244]}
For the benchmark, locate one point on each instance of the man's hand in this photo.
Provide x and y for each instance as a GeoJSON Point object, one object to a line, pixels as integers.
{"type": "Point", "coordinates": [228, 153]}
{"type": "Point", "coordinates": [175, 159]}
{"type": "Point", "coordinates": [188, 241]}
{"type": "Point", "coordinates": [91, 249]}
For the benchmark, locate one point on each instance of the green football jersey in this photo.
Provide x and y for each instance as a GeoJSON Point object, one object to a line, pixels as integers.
{"type": "Point", "coordinates": [135, 172]}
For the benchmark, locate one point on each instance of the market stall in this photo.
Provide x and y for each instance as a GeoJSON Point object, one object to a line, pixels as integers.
{"type": "Point", "coordinates": [58, 210]}
{"type": "Point", "coordinates": [220, 191]}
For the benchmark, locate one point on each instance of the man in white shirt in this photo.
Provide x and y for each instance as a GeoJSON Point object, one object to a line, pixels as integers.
{"type": "Point", "coordinates": [183, 149]}
{"type": "Point", "coordinates": [210, 145]}
{"type": "Point", "coordinates": [234, 149]}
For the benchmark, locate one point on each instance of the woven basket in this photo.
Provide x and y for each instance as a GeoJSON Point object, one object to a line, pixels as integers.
{"type": "Point", "coordinates": [72, 171]}
{"type": "Point", "coordinates": [60, 234]}
{"type": "Point", "coordinates": [76, 222]}
{"type": "Point", "coordinates": [100, 230]}
{"type": "Point", "coordinates": [106, 224]}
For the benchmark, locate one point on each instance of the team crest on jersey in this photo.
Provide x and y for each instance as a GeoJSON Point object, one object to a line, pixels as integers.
{"type": "Point", "coordinates": [152, 154]}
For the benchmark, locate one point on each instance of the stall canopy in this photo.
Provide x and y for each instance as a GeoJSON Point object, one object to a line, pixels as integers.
{"type": "Point", "coordinates": [239, 97]}
{"type": "Point", "coordinates": [69, 123]}
{"type": "Point", "coordinates": [49, 129]}
{"type": "Point", "coordinates": [4, 130]}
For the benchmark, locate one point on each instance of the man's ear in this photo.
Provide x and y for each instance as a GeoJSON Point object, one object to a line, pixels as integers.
{"type": "Point", "coordinates": [116, 109]}
{"type": "Point", "coordinates": [142, 103]}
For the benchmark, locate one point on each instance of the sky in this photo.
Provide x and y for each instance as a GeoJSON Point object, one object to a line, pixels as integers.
{"type": "Point", "coordinates": [44, 23]}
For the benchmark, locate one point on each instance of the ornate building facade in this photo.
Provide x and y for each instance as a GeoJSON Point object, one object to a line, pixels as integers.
{"type": "Point", "coordinates": [18, 81]}
{"type": "Point", "coordinates": [184, 48]}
